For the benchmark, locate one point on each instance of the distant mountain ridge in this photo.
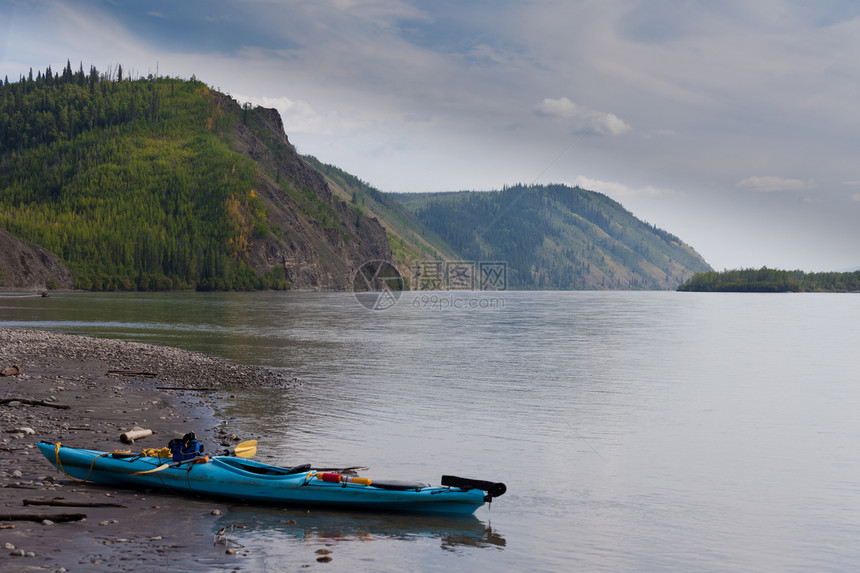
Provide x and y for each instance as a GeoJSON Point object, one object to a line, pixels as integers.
{"type": "Point", "coordinates": [575, 239]}
{"type": "Point", "coordinates": [557, 237]}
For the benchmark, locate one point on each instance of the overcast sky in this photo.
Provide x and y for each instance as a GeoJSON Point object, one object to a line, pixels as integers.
{"type": "Point", "coordinates": [734, 125]}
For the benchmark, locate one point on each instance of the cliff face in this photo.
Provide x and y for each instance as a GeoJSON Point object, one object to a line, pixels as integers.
{"type": "Point", "coordinates": [316, 238]}
{"type": "Point", "coordinates": [26, 266]}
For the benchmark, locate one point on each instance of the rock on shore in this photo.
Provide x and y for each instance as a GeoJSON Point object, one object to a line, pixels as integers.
{"type": "Point", "coordinates": [110, 386]}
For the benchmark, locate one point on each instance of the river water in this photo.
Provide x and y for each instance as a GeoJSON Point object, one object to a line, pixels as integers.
{"type": "Point", "coordinates": [636, 431]}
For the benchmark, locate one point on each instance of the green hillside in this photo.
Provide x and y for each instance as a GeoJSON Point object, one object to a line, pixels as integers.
{"type": "Point", "coordinates": [130, 182]}
{"type": "Point", "coordinates": [162, 183]}
{"type": "Point", "coordinates": [557, 237]}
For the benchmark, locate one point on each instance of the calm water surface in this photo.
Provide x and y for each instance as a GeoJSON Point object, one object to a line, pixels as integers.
{"type": "Point", "coordinates": [635, 431]}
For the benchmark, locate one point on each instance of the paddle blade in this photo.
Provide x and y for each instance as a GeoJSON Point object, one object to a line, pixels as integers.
{"type": "Point", "coordinates": [152, 471]}
{"type": "Point", "coordinates": [246, 449]}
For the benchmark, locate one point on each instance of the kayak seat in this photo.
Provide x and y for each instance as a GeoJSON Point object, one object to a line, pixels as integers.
{"type": "Point", "coordinates": [398, 485]}
{"type": "Point", "coordinates": [299, 469]}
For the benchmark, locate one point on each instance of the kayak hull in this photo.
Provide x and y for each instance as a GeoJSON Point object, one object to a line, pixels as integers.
{"type": "Point", "coordinates": [244, 479]}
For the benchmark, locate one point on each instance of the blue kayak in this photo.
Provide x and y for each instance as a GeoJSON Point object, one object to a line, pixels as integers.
{"type": "Point", "coordinates": [244, 479]}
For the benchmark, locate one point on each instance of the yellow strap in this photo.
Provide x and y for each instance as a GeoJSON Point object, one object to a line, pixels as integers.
{"type": "Point", "coordinates": [61, 468]}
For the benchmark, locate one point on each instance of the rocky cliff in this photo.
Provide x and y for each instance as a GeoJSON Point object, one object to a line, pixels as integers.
{"type": "Point", "coordinates": [319, 252]}
{"type": "Point", "coordinates": [24, 266]}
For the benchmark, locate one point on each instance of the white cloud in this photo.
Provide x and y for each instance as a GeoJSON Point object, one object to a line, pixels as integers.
{"type": "Point", "coordinates": [771, 183]}
{"type": "Point", "coordinates": [582, 118]}
{"type": "Point", "coordinates": [301, 117]}
{"type": "Point", "coordinates": [614, 188]}
{"type": "Point", "coordinates": [855, 197]}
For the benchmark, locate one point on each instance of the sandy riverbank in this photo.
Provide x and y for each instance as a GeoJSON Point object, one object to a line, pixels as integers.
{"type": "Point", "coordinates": [110, 386]}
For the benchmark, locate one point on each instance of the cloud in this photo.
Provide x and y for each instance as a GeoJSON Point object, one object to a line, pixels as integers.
{"type": "Point", "coordinates": [613, 188]}
{"type": "Point", "coordinates": [52, 31]}
{"type": "Point", "coordinates": [301, 117]}
{"type": "Point", "coordinates": [705, 94]}
{"type": "Point", "coordinates": [584, 120]}
{"type": "Point", "coordinates": [771, 183]}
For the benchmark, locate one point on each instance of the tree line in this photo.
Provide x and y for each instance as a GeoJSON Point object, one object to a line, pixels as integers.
{"type": "Point", "coordinates": [772, 280]}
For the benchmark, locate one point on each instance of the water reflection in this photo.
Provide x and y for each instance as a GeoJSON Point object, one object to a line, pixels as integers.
{"type": "Point", "coordinates": [247, 526]}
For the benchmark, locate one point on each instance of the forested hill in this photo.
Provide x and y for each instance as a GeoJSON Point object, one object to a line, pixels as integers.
{"type": "Point", "coordinates": [557, 237]}
{"type": "Point", "coordinates": [162, 183]}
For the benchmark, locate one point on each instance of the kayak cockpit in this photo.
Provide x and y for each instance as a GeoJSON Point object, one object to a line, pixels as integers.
{"type": "Point", "coordinates": [256, 468]}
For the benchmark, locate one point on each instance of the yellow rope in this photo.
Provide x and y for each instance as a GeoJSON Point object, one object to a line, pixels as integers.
{"type": "Point", "coordinates": [60, 467]}
{"type": "Point", "coordinates": [157, 452]}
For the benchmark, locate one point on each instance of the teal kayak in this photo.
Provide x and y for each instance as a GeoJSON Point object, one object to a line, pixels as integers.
{"type": "Point", "coordinates": [243, 479]}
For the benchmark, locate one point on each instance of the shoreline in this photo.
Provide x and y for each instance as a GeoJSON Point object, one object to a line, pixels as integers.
{"type": "Point", "coordinates": [110, 386]}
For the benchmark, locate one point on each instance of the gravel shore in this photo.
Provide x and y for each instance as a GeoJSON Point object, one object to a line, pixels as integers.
{"type": "Point", "coordinates": [110, 387]}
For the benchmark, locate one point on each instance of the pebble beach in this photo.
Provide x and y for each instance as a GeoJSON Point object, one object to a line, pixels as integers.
{"type": "Point", "coordinates": [86, 392]}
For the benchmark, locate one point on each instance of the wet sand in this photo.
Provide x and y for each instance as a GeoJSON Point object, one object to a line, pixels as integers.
{"type": "Point", "coordinates": [111, 387]}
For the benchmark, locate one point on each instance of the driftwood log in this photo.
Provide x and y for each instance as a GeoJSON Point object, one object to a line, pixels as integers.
{"type": "Point", "coordinates": [55, 517]}
{"type": "Point", "coordinates": [64, 503]}
{"type": "Point", "coordinates": [135, 434]}
{"type": "Point", "coordinates": [132, 373]}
